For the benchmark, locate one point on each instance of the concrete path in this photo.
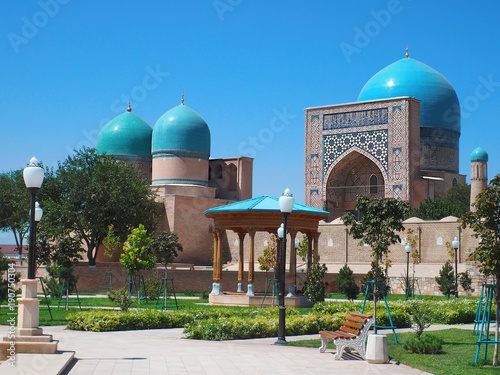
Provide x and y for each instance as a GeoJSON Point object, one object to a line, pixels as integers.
{"type": "Point", "coordinates": [164, 351]}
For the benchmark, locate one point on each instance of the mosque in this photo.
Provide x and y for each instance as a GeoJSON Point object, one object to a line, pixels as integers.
{"type": "Point", "coordinates": [175, 156]}
{"type": "Point", "coordinates": [400, 139]}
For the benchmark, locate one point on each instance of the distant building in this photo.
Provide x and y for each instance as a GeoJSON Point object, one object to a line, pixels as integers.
{"type": "Point", "coordinates": [400, 139]}
{"type": "Point", "coordinates": [175, 156]}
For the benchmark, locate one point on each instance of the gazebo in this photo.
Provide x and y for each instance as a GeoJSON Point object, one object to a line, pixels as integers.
{"type": "Point", "coordinates": [260, 214]}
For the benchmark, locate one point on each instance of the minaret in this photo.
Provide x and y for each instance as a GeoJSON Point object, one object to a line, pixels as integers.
{"type": "Point", "coordinates": [479, 174]}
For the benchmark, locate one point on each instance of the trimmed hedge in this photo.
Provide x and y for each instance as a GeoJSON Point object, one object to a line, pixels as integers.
{"type": "Point", "coordinates": [226, 323]}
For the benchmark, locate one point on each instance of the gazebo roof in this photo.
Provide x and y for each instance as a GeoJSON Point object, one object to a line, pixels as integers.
{"type": "Point", "coordinates": [263, 203]}
{"type": "Point", "coordinates": [263, 214]}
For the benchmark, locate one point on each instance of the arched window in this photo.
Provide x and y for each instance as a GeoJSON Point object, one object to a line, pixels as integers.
{"type": "Point", "coordinates": [373, 184]}
{"type": "Point", "coordinates": [455, 181]}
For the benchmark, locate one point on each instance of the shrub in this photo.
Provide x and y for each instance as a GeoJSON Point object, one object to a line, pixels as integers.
{"type": "Point", "coordinates": [153, 287]}
{"type": "Point", "coordinates": [446, 280]}
{"type": "Point", "coordinates": [315, 289]}
{"type": "Point", "coordinates": [346, 283]}
{"type": "Point", "coordinates": [121, 298]}
{"type": "Point", "coordinates": [424, 344]}
{"type": "Point", "coordinates": [421, 315]}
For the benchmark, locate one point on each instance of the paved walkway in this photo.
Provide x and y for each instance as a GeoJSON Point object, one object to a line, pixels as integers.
{"type": "Point", "coordinates": [164, 351]}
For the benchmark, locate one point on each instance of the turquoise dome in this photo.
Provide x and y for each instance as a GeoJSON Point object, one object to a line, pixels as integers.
{"type": "Point", "coordinates": [183, 132]}
{"type": "Point", "coordinates": [479, 155]}
{"type": "Point", "coordinates": [439, 105]}
{"type": "Point", "coordinates": [126, 134]}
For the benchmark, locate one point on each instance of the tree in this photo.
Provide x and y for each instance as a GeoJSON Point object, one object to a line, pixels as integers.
{"type": "Point", "coordinates": [455, 203]}
{"type": "Point", "coordinates": [446, 280]}
{"type": "Point", "coordinates": [166, 247]}
{"type": "Point", "coordinates": [346, 283]}
{"type": "Point", "coordinates": [315, 287]}
{"type": "Point", "coordinates": [14, 206]}
{"type": "Point", "coordinates": [89, 192]}
{"type": "Point", "coordinates": [381, 219]}
{"type": "Point", "coordinates": [137, 252]}
{"type": "Point", "coordinates": [269, 258]}
{"type": "Point", "coordinates": [485, 222]}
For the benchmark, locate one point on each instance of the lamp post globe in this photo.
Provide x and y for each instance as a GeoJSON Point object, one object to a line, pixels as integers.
{"type": "Point", "coordinates": [286, 202]}
{"type": "Point", "coordinates": [33, 176]}
{"type": "Point", "coordinates": [408, 251]}
{"type": "Point", "coordinates": [456, 244]}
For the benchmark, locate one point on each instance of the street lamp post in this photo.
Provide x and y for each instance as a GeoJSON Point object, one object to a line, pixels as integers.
{"type": "Point", "coordinates": [33, 177]}
{"type": "Point", "coordinates": [286, 202]}
{"type": "Point", "coordinates": [455, 244]}
{"type": "Point", "coordinates": [408, 251]}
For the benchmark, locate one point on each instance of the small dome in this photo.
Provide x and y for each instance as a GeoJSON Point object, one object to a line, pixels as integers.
{"type": "Point", "coordinates": [181, 130]}
{"type": "Point", "coordinates": [439, 105]}
{"type": "Point", "coordinates": [479, 155]}
{"type": "Point", "coordinates": [126, 134]}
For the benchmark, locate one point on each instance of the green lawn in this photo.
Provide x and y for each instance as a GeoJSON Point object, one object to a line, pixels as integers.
{"type": "Point", "coordinates": [458, 357]}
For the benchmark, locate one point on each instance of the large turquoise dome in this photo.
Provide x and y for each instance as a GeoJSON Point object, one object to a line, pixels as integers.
{"type": "Point", "coordinates": [183, 132]}
{"type": "Point", "coordinates": [126, 134]}
{"type": "Point", "coordinates": [439, 105]}
{"type": "Point", "coordinates": [479, 155]}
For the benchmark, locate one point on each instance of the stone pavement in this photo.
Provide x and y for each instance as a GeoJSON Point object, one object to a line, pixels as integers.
{"type": "Point", "coordinates": [164, 351]}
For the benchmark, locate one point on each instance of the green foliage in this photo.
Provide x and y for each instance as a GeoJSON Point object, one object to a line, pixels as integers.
{"type": "Point", "coordinates": [376, 273]}
{"type": "Point", "coordinates": [88, 193]}
{"type": "Point", "coordinates": [5, 283]}
{"type": "Point", "coordinates": [60, 258]}
{"type": "Point", "coordinates": [465, 281]}
{"type": "Point", "coordinates": [424, 344]}
{"type": "Point", "coordinates": [446, 280]}
{"type": "Point", "coordinates": [303, 248]}
{"type": "Point", "coordinates": [485, 221]}
{"type": "Point", "coordinates": [166, 247]}
{"type": "Point", "coordinates": [346, 283]}
{"type": "Point", "coordinates": [269, 259]}
{"type": "Point", "coordinates": [153, 286]}
{"type": "Point", "coordinates": [137, 253]}
{"type": "Point", "coordinates": [315, 287]}
{"type": "Point", "coordinates": [121, 298]}
{"type": "Point", "coordinates": [421, 315]}
{"type": "Point", "coordinates": [381, 219]}
{"type": "Point", "coordinates": [111, 242]}
{"type": "Point", "coordinates": [456, 203]}
{"type": "Point", "coordinates": [14, 205]}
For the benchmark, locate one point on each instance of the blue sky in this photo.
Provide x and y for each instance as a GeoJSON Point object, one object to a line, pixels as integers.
{"type": "Point", "coordinates": [248, 67]}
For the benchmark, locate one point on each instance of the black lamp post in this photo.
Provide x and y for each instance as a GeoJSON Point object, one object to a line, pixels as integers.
{"type": "Point", "coordinates": [408, 251]}
{"type": "Point", "coordinates": [286, 202]}
{"type": "Point", "coordinates": [455, 244]}
{"type": "Point", "coordinates": [33, 177]}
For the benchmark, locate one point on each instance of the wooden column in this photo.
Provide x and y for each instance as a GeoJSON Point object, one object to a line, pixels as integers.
{"type": "Point", "coordinates": [241, 237]}
{"type": "Point", "coordinates": [251, 233]}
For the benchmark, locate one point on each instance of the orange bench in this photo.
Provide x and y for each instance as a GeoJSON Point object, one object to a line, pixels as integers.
{"type": "Point", "coordinates": [352, 334]}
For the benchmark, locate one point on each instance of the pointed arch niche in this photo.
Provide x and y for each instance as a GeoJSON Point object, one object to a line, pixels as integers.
{"type": "Point", "coordinates": [354, 174]}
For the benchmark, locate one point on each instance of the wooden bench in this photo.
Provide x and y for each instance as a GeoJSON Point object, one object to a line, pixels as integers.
{"type": "Point", "coordinates": [352, 334]}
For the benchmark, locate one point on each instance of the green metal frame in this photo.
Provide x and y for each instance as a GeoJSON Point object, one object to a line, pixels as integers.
{"type": "Point", "coordinates": [484, 333]}
{"type": "Point", "coordinates": [370, 285]}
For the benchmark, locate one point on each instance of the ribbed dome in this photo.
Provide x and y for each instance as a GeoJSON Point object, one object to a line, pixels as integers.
{"type": "Point", "coordinates": [479, 155]}
{"type": "Point", "coordinates": [181, 131]}
{"type": "Point", "coordinates": [126, 134]}
{"type": "Point", "coordinates": [439, 106]}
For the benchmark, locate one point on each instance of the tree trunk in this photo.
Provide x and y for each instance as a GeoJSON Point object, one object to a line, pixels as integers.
{"type": "Point", "coordinates": [91, 256]}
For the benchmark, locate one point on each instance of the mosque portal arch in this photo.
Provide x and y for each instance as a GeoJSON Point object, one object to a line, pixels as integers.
{"type": "Point", "coordinates": [353, 174]}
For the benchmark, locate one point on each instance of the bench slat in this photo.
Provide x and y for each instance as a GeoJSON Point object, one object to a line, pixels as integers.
{"type": "Point", "coordinates": [355, 332]}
